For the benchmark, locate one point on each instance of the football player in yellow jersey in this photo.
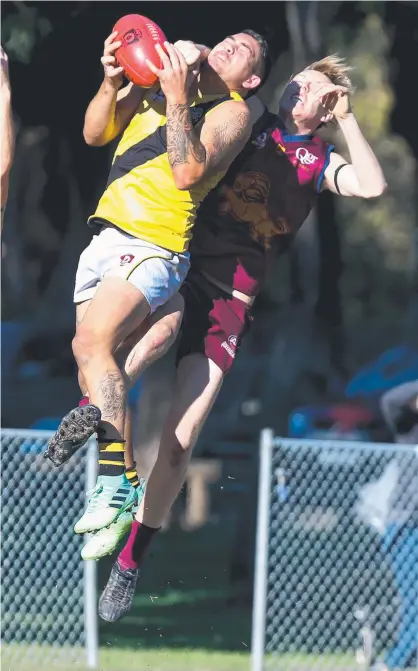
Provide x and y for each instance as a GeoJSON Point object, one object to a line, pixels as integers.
{"type": "Point", "coordinates": [176, 144]}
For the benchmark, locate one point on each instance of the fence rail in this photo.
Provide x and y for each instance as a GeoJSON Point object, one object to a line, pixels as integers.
{"type": "Point", "coordinates": [48, 592]}
{"type": "Point", "coordinates": [336, 578]}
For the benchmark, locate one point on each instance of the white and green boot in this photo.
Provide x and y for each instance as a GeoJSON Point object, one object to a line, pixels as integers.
{"type": "Point", "coordinates": [112, 496]}
{"type": "Point", "coordinates": [105, 541]}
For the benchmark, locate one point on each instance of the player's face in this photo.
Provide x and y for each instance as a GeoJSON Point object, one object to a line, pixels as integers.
{"type": "Point", "coordinates": [301, 98]}
{"type": "Point", "coordinates": [236, 60]}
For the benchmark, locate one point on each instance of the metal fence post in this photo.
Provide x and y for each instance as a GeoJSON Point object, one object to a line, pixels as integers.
{"type": "Point", "coordinates": [43, 588]}
{"type": "Point", "coordinates": [90, 575]}
{"type": "Point", "coordinates": [261, 551]}
{"type": "Point", "coordinates": [333, 569]}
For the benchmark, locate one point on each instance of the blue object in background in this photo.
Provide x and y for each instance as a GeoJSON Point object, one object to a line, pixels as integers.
{"type": "Point", "coordinates": [302, 420]}
{"type": "Point", "coordinates": [401, 548]}
{"type": "Point", "coordinates": [393, 367]}
{"type": "Point", "coordinates": [343, 421]}
{"type": "Point", "coordinates": [281, 488]}
{"type": "Point", "coordinates": [46, 424]}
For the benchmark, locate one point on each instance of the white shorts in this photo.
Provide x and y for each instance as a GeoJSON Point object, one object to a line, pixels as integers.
{"type": "Point", "coordinates": [155, 271]}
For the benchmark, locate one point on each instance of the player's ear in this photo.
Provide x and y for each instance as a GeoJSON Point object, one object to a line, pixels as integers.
{"type": "Point", "coordinates": [252, 82]}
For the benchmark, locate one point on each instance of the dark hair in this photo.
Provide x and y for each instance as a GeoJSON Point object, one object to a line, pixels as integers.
{"type": "Point", "coordinates": [265, 60]}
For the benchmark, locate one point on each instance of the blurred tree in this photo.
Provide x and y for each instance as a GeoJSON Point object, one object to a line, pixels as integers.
{"type": "Point", "coordinates": [22, 30]}
{"type": "Point", "coordinates": [378, 255]}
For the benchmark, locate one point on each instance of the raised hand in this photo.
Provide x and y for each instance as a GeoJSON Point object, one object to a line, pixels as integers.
{"type": "Point", "coordinates": [335, 99]}
{"type": "Point", "coordinates": [112, 71]}
{"type": "Point", "coordinates": [175, 76]}
{"type": "Point", "coordinates": [192, 54]}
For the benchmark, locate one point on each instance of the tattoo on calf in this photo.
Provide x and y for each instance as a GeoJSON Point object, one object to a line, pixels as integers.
{"type": "Point", "coordinates": [113, 390]}
{"type": "Point", "coordinates": [182, 143]}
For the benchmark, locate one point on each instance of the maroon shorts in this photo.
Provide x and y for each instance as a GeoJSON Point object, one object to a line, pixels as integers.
{"type": "Point", "coordinates": [214, 322]}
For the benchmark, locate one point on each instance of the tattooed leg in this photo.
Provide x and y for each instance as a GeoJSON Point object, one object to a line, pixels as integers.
{"type": "Point", "coordinates": [115, 312]}
{"type": "Point", "coordinates": [144, 346]}
{"type": "Point", "coordinates": [103, 323]}
{"type": "Point", "coordinates": [111, 397]}
{"type": "Point", "coordinates": [114, 494]}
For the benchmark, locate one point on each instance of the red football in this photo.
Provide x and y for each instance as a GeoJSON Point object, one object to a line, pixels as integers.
{"type": "Point", "coordinates": [139, 36]}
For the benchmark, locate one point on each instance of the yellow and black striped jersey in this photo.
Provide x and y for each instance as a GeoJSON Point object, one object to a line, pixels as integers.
{"type": "Point", "coordinates": [141, 197]}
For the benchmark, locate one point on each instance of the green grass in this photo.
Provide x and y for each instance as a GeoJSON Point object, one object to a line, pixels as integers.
{"type": "Point", "coordinates": [116, 659]}
{"type": "Point", "coordinates": [183, 616]}
{"type": "Point", "coordinates": [186, 616]}
{"type": "Point", "coordinates": [168, 659]}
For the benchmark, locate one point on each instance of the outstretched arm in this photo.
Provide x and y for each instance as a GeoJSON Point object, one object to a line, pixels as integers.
{"type": "Point", "coordinates": [7, 130]}
{"type": "Point", "coordinates": [112, 108]}
{"type": "Point", "coordinates": [363, 177]}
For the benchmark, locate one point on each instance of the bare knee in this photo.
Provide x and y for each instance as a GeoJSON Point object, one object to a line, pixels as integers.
{"type": "Point", "coordinates": [178, 454]}
{"type": "Point", "coordinates": [165, 323]}
{"type": "Point", "coordinates": [86, 347]}
{"type": "Point", "coordinates": [162, 336]}
{"type": "Point", "coordinates": [178, 446]}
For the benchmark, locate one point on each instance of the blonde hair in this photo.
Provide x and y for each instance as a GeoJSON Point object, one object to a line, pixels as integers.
{"type": "Point", "coordinates": [336, 69]}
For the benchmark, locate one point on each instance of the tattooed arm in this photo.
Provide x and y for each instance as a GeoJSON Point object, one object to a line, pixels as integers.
{"type": "Point", "coordinates": [192, 154]}
{"type": "Point", "coordinates": [222, 135]}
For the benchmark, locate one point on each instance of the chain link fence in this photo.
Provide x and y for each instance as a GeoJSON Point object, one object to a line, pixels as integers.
{"type": "Point", "coordinates": [337, 556]}
{"type": "Point", "coordinates": [46, 587]}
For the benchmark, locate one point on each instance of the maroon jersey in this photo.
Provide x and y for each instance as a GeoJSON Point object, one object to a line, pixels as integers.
{"type": "Point", "coordinates": [259, 205]}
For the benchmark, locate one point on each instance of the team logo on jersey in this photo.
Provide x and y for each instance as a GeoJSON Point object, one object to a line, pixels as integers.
{"type": "Point", "coordinates": [261, 140]}
{"type": "Point", "coordinates": [230, 345]}
{"type": "Point", "coordinates": [248, 202]}
{"type": "Point", "coordinates": [305, 157]}
{"type": "Point", "coordinates": [126, 258]}
{"type": "Point", "coordinates": [196, 114]}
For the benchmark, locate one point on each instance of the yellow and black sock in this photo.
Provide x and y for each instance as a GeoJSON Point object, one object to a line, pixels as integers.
{"type": "Point", "coordinates": [132, 475]}
{"type": "Point", "coordinates": [111, 458]}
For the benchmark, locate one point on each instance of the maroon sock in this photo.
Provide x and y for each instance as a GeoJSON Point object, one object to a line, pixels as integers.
{"type": "Point", "coordinates": [136, 546]}
{"type": "Point", "coordinates": [84, 400]}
